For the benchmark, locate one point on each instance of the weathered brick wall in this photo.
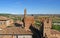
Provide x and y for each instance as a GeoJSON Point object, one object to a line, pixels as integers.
{"type": "Point", "coordinates": [47, 23]}
{"type": "Point", "coordinates": [29, 20]}
{"type": "Point", "coordinates": [47, 27]}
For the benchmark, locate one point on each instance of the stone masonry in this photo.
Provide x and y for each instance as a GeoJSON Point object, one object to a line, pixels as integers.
{"type": "Point", "coordinates": [28, 21]}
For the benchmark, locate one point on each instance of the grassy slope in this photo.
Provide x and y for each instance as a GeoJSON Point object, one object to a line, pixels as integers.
{"type": "Point", "coordinates": [56, 27]}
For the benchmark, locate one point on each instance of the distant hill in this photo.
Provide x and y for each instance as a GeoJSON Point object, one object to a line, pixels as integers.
{"type": "Point", "coordinates": [30, 15]}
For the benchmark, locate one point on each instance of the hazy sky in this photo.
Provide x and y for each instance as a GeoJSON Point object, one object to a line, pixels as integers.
{"type": "Point", "coordinates": [32, 6]}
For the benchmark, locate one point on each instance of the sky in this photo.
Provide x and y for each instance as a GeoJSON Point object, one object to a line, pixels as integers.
{"type": "Point", "coordinates": [32, 6]}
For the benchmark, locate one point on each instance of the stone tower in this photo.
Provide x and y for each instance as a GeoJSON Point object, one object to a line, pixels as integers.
{"type": "Point", "coordinates": [24, 12]}
{"type": "Point", "coordinates": [28, 21]}
{"type": "Point", "coordinates": [47, 27]}
{"type": "Point", "coordinates": [24, 17]}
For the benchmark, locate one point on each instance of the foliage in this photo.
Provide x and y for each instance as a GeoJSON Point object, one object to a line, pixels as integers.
{"type": "Point", "coordinates": [37, 23]}
{"type": "Point", "coordinates": [56, 27]}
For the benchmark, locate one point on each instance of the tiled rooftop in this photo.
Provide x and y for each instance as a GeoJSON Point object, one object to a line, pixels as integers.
{"type": "Point", "coordinates": [55, 32]}
{"type": "Point", "coordinates": [3, 18]}
{"type": "Point", "coordinates": [14, 30]}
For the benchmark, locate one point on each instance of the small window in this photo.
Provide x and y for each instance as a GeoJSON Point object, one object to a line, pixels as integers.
{"type": "Point", "coordinates": [48, 21]}
{"type": "Point", "coordinates": [0, 23]}
{"type": "Point", "coordinates": [4, 22]}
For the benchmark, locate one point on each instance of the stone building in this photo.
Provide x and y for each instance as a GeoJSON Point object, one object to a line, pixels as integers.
{"type": "Point", "coordinates": [47, 31]}
{"type": "Point", "coordinates": [28, 20]}
{"type": "Point", "coordinates": [47, 27]}
{"type": "Point", "coordinates": [4, 22]}
{"type": "Point", "coordinates": [15, 32]}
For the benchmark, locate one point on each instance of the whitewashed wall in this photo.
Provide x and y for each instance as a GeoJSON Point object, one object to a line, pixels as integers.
{"type": "Point", "coordinates": [16, 36]}
{"type": "Point", "coordinates": [24, 36]}
{"type": "Point", "coordinates": [7, 23]}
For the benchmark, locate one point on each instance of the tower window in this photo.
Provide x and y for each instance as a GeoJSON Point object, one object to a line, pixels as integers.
{"type": "Point", "coordinates": [47, 20]}
{"type": "Point", "coordinates": [0, 23]}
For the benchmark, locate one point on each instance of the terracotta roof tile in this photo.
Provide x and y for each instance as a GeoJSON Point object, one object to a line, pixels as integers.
{"type": "Point", "coordinates": [3, 18]}
{"type": "Point", "coordinates": [55, 32]}
{"type": "Point", "coordinates": [14, 30]}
